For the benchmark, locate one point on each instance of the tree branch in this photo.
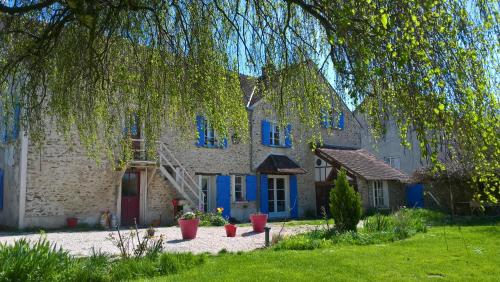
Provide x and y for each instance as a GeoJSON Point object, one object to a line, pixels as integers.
{"type": "Point", "coordinates": [25, 9]}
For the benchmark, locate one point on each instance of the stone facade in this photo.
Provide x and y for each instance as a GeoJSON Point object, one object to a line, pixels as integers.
{"type": "Point", "coordinates": [301, 151]}
{"type": "Point", "coordinates": [63, 182]}
{"type": "Point", "coordinates": [397, 196]}
{"type": "Point", "coordinates": [389, 146]}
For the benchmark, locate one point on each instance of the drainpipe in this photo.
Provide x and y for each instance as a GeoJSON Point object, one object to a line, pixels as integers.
{"type": "Point", "coordinates": [23, 168]}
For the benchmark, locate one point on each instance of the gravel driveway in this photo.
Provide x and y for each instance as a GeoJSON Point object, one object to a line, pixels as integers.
{"type": "Point", "coordinates": [209, 239]}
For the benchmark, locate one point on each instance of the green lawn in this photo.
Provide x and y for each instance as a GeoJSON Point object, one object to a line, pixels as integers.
{"type": "Point", "coordinates": [469, 253]}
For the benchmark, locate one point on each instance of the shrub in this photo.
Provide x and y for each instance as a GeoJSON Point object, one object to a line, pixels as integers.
{"type": "Point", "coordinates": [345, 204]}
{"type": "Point", "coordinates": [302, 242]}
{"type": "Point", "coordinates": [212, 218]}
{"type": "Point", "coordinates": [26, 261]}
{"type": "Point", "coordinates": [378, 223]}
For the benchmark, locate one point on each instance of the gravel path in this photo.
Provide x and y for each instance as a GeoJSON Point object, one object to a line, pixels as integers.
{"type": "Point", "coordinates": [209, 239]}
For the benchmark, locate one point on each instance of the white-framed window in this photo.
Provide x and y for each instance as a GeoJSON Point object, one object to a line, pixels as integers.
{"type": "Point", "coordinates": [239, 188]}
{"type": "Point", "coordinates": [206, 189]}
{"type": "Point", "coordinates": [380, 194]}
{"type": "Point", "coordinates": [393, 161]}
{"type": "Point", "coordinates": [322, 170]}
{"type": "Point", "coordinates": [276, 136]}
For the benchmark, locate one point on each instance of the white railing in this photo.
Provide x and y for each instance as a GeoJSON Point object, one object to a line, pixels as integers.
{"type": "Point", "coordinates": [182, 181]}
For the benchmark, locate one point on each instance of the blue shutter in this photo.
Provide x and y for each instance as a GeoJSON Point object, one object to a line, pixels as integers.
{"type": "Point", "coordinates": [224, 143]}
{"type": "Point", "coordinates": [17, 118]}
{"type": "Point", "coordinates": [324, 118]}
{"type": "Point", "coordinates": [294, 199]}
{"type": "Point", "coordinates": [224, 194]}
{"type": "Point", "coordinates": [288, 136]}
{"type": "Point", "coordinates": [200, 126]}
{"type": "Point", "coordinates": [251, 185]}
{"type": "Point", "coordinates": [266, 128]}
{"type": "Point", "coordinates": [1, 189]}
{"type": "Point", "coordinates": [341, 120]}
{"type": "Point", "coordinates": [264, 197]}
{"type": "Point", "coordinates": [4, 126]}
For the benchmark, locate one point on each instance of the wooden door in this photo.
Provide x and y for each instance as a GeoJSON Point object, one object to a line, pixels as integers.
{"type": "Point", "coordinates": [323, 198]}
{"type": "Point", "coordinates": [130, 197]}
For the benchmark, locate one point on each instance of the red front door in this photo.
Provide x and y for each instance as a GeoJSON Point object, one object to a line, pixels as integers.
{"type": "Point", "coordinates": [130, 197]}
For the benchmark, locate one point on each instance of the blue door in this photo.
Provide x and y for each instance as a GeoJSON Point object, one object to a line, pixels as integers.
{"type": "Point", "coordinates": [415, 195]}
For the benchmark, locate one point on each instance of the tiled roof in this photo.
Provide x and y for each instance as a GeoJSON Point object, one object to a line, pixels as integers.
{"type": "Point", "coordinates": [363, 163]}
{"type": "Point", "coordinates": [248, 86]}
{"type": "Point", "coordinates": [278, 164]}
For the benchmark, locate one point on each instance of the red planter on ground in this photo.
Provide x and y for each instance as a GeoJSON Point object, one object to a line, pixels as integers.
{"type": "Point", "coordinates": [72, 222]}
{"type": "Point", "coordinates": [230, 230]}
{"type": "Point", "coordinates": [258, 222]}
{"type": "Point", "coordinates": [189, 227]}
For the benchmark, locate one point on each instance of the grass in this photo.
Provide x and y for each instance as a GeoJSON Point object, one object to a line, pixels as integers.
{"type": "Point", "coordinates": [448, 253]}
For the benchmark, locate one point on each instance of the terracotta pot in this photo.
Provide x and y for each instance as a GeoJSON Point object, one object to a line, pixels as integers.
{"type": "Point", "coordinates": [72, 222]}
{"type": "Point", "coordinates": [230, 230]}
{"type": "Point", "coordinates": [189, 227]}
{"type": "Point", "coordinates": [259, 221]}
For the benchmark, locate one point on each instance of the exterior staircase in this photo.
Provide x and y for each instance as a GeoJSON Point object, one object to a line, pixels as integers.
{"type": "Point", "coordinates": [178, 176]}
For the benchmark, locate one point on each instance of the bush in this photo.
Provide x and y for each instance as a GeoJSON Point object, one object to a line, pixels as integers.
{"type": "Point", "coordinates": [40, 261]}
{"type": "Point", "coordinates": [212, 218]}
{"type": "Point", "coordinates": [379, 223]}
{"type": "Point", "coordinates": [306, 241]}
{"type": "Point", "coordinates": [345, 204]}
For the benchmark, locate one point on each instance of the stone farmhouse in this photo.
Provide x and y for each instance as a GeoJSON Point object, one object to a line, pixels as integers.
{"type": "Point", "coordinates": [275, 173]}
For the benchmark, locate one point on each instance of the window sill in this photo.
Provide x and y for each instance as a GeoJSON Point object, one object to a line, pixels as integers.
{"type": "Point", "coordinates": [241, 202]}
{"type": "Point", "coordinates": [279, 146]}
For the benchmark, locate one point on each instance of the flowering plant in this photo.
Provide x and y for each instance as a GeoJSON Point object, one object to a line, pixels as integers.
{"type": "Point", "coordinates": [189, 215]}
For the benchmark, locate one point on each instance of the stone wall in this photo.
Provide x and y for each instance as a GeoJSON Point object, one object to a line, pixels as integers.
{"type": "Point", "coordinates": [159, 201]}
{"type": "Point", "coordinates": [63, 182]}
{"type": "Point", "coordinates": [10, 164]}
{"type": "Point", "coordinates": [397, 194]}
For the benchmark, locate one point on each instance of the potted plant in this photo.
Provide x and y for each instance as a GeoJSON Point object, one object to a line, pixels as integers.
{"type": "Point", "coordinates": [230, 229]}
{"type": "Point", "coordinates": [151, 231]}
{"type": "Point", "coordinates": [72, 222]}
{"type": "Point", "coordinates": [189, 225]}
{"type": "Point", "coordinates": [259, 221]}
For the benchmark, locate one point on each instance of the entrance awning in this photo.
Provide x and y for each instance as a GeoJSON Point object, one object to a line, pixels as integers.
{"type": "Point", "coordinates": [279, 164]}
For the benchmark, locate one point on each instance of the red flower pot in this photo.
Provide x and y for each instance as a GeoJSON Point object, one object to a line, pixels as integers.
{"type": "Point", "coordinates": [189, 227]}
{"type": "Point", "coordinates": [258, 222]}
{"type": "Point", "coordinates": [72, 222]}
{"type": "Point", "coordinates": [230, 230]}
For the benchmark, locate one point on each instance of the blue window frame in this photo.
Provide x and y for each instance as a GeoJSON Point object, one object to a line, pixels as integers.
{"type": "Point", "coordinates": [207, 137]}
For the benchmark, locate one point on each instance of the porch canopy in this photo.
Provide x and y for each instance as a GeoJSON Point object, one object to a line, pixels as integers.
{"type": "Point", "coordinates": [361, 162]}
{"type": "Point", "coordinates": [279, 164]}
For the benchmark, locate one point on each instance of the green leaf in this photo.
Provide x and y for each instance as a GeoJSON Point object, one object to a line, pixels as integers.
{"type": "Point", "coordinates": [384, 19]}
